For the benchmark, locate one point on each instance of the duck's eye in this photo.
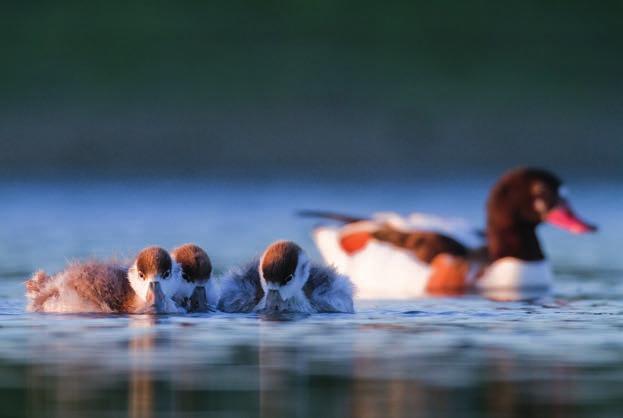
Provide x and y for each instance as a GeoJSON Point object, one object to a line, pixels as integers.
{"type": "Point", "coordinates": [166, 274]}
{"type": "Point", "coordinates": [141, 275]}
{"type": "Point", "coordinates": [185, 276]}
{"type": "Point", "coordinates": [290, 277]}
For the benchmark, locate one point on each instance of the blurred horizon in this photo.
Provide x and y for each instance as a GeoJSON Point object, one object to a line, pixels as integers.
{"type": "Point", "coordinates": [325, 88]}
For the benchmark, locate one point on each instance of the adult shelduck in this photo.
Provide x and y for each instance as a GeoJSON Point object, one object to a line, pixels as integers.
{"type": "Point", "coordinates": [388, 256]}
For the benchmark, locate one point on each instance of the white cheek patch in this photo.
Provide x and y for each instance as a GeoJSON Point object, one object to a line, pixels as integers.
{"type": "Point", "coordinates": [263, 282]}
{"type": "Point", "coordinates": [295, 286]}
{"type": "Point", "coordinates": [185, 288]}
{"type": "Point", "coordinates": [139, 285]}
{"type": "Point", "coordinates": [169, 286]}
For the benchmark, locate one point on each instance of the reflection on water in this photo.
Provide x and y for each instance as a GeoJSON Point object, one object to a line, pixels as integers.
{"type": "Point", "coordinates": [467, 357]}
{"type": "Point", "coordinates": [436, 362]}
{"type": "Point", "coordinates": [141, 392]}
{"type": "Point", "coordinates": [488, 360]}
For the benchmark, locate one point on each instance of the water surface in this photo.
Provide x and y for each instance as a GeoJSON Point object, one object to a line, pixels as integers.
{"type": "Point", "coordinates": [560, 356]}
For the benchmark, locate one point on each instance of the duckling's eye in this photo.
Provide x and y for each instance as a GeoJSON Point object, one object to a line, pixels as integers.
{"type": "Point", "coordinates": [141, 275]}
{"type": "Point", "coordinates": [166, 274]}
{"type": "Point", "coordinates": [287, 279]}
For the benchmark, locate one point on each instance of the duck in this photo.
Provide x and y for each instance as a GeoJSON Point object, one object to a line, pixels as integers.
{"type": "Point", "coordinates": [147, 285]}
{"type": "Point", "coordinates": [198, 292]}
{"type": "Point", "coordinates": [284, 279]}
{"type": "Point", "coordinates": [389, 256]}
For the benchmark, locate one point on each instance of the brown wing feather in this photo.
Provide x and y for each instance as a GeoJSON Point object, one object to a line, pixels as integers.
{"type": "Point", "coordinates": [425, 245]}
{"type": "Point", "coordinates": [103, 284]}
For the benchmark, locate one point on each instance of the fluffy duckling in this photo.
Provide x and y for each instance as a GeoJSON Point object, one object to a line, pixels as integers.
{"type": "Point", "coordinates": [198, 292]}
{"type": "Point", "coordinates": [285, 280]}
{"type": "Point", "coordinates": [147, 286]}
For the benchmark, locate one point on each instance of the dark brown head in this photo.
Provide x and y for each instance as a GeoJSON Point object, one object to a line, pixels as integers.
{"type": "Point", "coordinates": [530, 196]}
{"type": "Point", "coordinates": [279, 262]}
{"type": "Point", "coordinates": [153, 262]}
{"type": "Point", "coordinates": [195, 263]}
{"type": "Point", "coordinates": [518, 203]}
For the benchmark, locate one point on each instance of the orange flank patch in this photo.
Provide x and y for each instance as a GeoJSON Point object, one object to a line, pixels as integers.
{"type": "Point", "coordinates": [448, 276]}
{"type": "Point", "coordinates": [355, 241]}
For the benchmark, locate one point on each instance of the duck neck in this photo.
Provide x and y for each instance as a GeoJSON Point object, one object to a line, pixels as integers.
{"type": "Point", "coordinates": [517, 240]}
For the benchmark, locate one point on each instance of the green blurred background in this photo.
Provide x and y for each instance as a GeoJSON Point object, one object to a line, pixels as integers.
{"type": "Point", "coordinates": [135, 88]}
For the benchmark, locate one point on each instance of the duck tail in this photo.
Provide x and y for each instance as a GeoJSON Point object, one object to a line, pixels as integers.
{"type": "Point", "coordinates": [38, 291]}
{"type": "Point", "coordinates": [36, 283]}
{"type": "Point", "coordinates": [339, 217]}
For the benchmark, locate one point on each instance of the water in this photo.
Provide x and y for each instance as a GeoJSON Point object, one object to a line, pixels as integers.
{"type": "Point", "coordinates": [465, 357]}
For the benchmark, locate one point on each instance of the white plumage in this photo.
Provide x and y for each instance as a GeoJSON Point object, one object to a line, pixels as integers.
{"type": "Point", "coordinates": [384, 271]}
